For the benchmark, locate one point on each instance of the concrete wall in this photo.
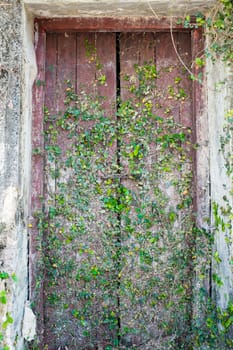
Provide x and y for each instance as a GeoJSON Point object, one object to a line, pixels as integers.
{"type": "Point", "coordinates": [13, 232]}
{"type": "Point", "coordinates": [17, 73]}
{"type": "Point", "coordinates": [75, 8]}
{"type": "Point", "coordinates": [220, 100]}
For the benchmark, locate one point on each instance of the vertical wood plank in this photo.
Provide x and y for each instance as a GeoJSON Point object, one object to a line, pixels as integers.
{"type": "Point", "coordinates": [66, 65]}
{"type": "Point", "coordinates": [167, 64]}
{"type": "Point", "coordinates": [186, 105]}
{"type": "Point", "coordinates": [95, 62]}
{"type": "Point", "coordinates": [82, 59]}
{"type": "Point", "coordinates": [51, 105]}
{"type": "Point", "coordinates": [51, 73]}
{"type": "Point", "coordinates": [86, 55]}
{"type": "Point", "coordinates": [135, 49]}
{"type": "Point", "coordinates": [169, 99]}
{"type": "Point", "coordinates": [200, 125]}
{"type": "Point", "coordinates": [106, 54]}
{"type": "Point", "coordinates": [60, 67]}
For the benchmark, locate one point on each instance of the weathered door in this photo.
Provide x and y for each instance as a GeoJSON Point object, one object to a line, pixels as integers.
{"type": "Point", "coordinates": [117, 207]}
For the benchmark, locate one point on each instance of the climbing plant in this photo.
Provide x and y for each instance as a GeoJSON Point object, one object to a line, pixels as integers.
{"type": "Point", "coordinates": [212, 326]}
{"type": "Point", "coordinates": [124, 250]}
{"type": "Point", "coordinates": [6, 316]}
{"type": "Point", "coordinates": [218, 25]}
{"type": "Point", "coordinates": [213, 329]}
{"type": "Point", "coordinates": [117, 222]}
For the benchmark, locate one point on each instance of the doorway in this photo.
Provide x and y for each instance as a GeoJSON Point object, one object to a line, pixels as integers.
{"type": "Point", "coordinates": [117, 186]}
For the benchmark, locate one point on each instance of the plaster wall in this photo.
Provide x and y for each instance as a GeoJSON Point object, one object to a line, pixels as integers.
{"type": "Point", "coordinates": [17, 73]}
{"type": "Point", "coordinates": [13, 232]}
{"type": "Point", "coordinates": [220, 87]}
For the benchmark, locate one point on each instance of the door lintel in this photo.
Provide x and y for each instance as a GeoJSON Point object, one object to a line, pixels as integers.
{"type": "Point", "coordinates": [111, 24]}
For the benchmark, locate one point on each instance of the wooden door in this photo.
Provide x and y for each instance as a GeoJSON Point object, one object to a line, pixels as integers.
{"type": "Point", "coordinates": [118, 198]}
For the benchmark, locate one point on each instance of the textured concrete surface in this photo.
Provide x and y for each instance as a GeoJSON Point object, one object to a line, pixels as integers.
{"type": "Point", "coordinates": [13, 235]}
{"type": "Point", "coordinates": [220, 100]}
{"type": "Point", "coordinates": [49, 8]}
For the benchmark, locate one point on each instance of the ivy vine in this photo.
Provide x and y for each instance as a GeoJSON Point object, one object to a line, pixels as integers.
{"type": "Point", "coordinates": [112, 235]}
{"type": "Point", "coordinates": [218, 25]}
{"type": "Point", "coordinates": [7, 318]}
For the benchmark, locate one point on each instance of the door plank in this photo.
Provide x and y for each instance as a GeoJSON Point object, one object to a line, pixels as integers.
{"type": "Point", "coordinates": [75, 241]}
{"type": "Point", "coordinates": [61, 66]}
{"type": "Point", "coordinates": [167, 64]}
{"type": "Point", "coordinates": [184, 50]}
{"type": "Point", "coordinates": [137, 50]}
{"type": "Point", "coordinates": [146, 258]}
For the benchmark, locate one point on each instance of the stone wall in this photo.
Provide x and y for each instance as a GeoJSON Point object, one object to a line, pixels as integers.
{"type": "Point", "coordinates": [17, 73]}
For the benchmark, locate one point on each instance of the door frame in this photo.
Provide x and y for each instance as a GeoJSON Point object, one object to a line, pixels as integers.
{"type": "Point", "coordinates": [97, 24]}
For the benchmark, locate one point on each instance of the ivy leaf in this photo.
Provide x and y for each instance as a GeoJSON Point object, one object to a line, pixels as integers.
{"type": "Point", "coordinates": [217, 258]}
{"type": "Point", "coordinates": [9, 320]}
{"type": "Point", "coordinates": [40, 83]}
{"type": "Point", "coordinates": [3, 297]}
{"type": "Point", "coordinates": [52, 212]}
{"type": "Point", "coordinates": [199, 62]}
{"type": "Point", "coordinates": [3, 275]}
{"type": "Point", "coordinates": [172, 216]}
{"type": "Point", "coordinates": [217, 280]}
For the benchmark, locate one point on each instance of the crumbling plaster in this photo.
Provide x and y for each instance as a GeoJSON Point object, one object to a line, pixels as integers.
{"type": "Point", "coordinates": [17, 73]}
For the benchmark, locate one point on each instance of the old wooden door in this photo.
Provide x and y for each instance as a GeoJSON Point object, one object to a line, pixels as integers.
{"type": "Point", "coordinates": [117, 209]}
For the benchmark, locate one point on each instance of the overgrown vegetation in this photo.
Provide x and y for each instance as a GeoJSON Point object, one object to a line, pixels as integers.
{"type": "Point", "coordinates": [112, 235]}
{"type": "Point", "coordinates": [215, 329]}
{"type": "Point", "coordinates": [139, 223]}
{"type": "Point", "coordinates": [218, 25]}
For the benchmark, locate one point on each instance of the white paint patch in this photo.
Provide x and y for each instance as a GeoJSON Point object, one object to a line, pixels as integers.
{"type": "Point", "coordinates": [9, 206]}
{"type": "Point", "coordinates": [29, 323]}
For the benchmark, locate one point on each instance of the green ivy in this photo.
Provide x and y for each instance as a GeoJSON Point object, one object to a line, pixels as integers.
{"type": "Point", "coordinates": [218, 25]}
{"type": "Point", "coordinates": [108, 222]}
{"type": "Point", "coordinates": [110, 231]}
{"type": "Point", "coordinates": [8, 320]}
